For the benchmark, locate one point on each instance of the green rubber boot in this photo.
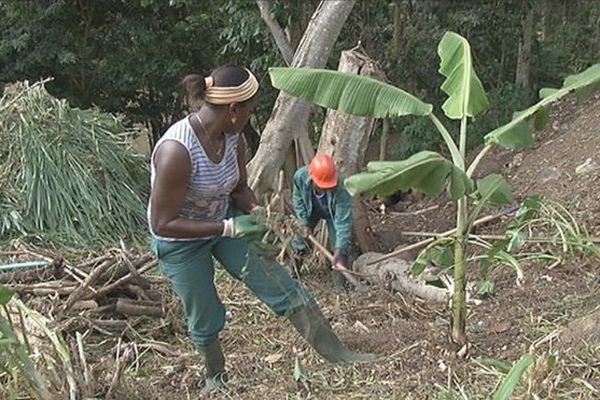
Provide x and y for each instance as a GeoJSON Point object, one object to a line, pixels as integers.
{"type": "Point", "coordinates": [310, 322]}
{"type": "Point", "coordinates": [339, 281]}
{"type": "Point", "coordinates": [214, 365]}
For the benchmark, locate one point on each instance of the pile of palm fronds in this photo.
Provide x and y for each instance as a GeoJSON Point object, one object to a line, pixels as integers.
{"type": "Point", "coordinates": [67, 175]}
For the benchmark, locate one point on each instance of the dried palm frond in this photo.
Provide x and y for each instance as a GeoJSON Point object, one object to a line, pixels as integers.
{"type": "Point", "coordinates": [68, 175]}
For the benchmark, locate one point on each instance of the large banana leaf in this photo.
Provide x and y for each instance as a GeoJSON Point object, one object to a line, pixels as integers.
{"type": "Point", "coordinates": [426, 171]}
{"type": "Point", "coordinates": [466, 96]}
{"type": "Point", "coordinates": [516, 133]}
{"type": "Point", "coordinates": [352, 94]}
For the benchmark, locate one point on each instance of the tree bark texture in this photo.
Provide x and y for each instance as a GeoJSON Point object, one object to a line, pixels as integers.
{"type": "Point", "coordinates": [289, 118]}
{"type": "Point", "coordinates": [525, 51]}
{"type": "Point", "coordinates": [399, 24]}
{"type": "Point", "coordinates": [346, 138]}
{"type": "Point", "coordinates": [394, 273]}
{"type": "Point", "coordinates": [383, 143]}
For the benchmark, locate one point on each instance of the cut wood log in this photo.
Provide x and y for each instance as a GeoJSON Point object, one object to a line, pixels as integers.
{"type": "Point", "coordinates": [137, 308]}
{"type": "Point", "coordinates": [124, 280]}
{"type": "Point", "coordinates": [124, 267]}
{"type": "Point", "coordinates": [84, 305]}
{"type": "Point", "coordinates": [45, 288]}
{"type": "Point", "coordinates": [394, 273]}
{"type": "Point", "coordinates": [80, 293]}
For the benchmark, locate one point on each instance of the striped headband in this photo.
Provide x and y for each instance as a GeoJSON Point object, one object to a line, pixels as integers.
{"type": "Point", "coordinates": [230, 94]}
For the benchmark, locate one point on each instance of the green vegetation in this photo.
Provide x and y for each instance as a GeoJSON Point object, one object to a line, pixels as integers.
{"type": "Point", "coordinates": [427, 171]}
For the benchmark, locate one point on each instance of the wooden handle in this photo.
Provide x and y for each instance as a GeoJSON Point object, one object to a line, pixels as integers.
{"type": "Point", "coordinates": [343, 270]}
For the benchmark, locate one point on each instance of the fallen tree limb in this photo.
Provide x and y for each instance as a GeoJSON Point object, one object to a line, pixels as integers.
{"type": "Point", "coordinates": [125, 266]}
{"type": "Point", "coordinates": [133, 307]}
{"type": "Point", "coordinates": [45, 288]}
{"type": "Point", "coordinates": [494, 237]}
{"type": "Point", "coordinates": [450, 232]}
{"type": "Point", "coordinates": [394, 273]}
{"type": "Point", "coordinates": [418, 212]}
{"type": "Point", "coordinates": [80, 292]}
{"type": "Point", "coordinates": [126, 279]}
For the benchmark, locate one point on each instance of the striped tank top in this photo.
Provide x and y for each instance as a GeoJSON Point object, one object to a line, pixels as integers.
{"type": "Point", "coordinates": [210, 184]}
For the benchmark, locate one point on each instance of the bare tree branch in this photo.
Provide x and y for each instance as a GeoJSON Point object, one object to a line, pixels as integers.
{"type": "Point", "coordinates": [278, 34]}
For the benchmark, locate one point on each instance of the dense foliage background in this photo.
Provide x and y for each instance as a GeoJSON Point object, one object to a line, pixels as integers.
{"type": "Point", "coordinates": [129, 56]}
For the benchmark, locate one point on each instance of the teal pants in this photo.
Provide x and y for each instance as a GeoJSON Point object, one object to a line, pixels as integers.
{"type": "Point", "coordinates": [189, 266]}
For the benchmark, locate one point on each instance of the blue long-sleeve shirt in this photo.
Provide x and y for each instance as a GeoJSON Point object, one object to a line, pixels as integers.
{"type": "Point", "coordinates": [338, 205]}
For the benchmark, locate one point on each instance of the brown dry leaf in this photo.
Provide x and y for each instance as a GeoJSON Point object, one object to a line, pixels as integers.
{"type": "Point", "coordinates": [500, 327]}
{"type": "Point", "coordinates": [273, 358]}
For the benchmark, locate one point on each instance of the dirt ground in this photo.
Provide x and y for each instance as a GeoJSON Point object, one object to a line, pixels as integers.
{"type": "Point", "coordinates": [267, 359]}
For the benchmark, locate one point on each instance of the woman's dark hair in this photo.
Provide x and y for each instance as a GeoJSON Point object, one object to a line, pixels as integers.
{"type": "Point", "coordinates": [225, 75]}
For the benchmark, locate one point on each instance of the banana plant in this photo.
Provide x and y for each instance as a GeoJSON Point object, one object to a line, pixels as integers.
{"type": "Point", "coordinates": [427, 171]}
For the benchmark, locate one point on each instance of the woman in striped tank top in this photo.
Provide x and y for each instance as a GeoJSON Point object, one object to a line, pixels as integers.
{"type": "Point", "coordinates": [198, 177]}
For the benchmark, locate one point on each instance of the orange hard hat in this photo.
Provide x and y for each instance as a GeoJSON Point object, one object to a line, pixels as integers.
{"type": "Point", "coordinates": [322, 171]}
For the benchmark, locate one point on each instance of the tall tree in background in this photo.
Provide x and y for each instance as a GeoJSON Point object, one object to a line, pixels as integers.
{"type": "Point", "coordinates": [524, 59]}
{"type": "Point", "coordinates": [289, 119]}
{"type": "Point", "coordinates": [125, 57]}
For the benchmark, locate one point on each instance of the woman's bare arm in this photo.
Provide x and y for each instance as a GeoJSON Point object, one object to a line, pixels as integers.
{"type": "Point", "coordinates": [173, 169]}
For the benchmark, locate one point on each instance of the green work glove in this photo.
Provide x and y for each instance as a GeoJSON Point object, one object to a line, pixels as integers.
{"type": "Point", "coordinates": [249, 227]}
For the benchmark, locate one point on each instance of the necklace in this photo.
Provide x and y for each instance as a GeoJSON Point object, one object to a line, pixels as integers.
{"type": "Point", "coordinates": [216, 150]}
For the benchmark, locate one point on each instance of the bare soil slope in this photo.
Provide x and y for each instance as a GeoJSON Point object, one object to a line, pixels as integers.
{"type": "Point", "coordinates": [267, 359]}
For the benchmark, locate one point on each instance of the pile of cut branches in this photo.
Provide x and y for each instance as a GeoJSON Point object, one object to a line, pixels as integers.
{"type": "Point", "coordinates": [110, 284]}
{"type": "Point", "coordinates": [111, 294]}
{"type": "Point", "coordinates": [68, 176]}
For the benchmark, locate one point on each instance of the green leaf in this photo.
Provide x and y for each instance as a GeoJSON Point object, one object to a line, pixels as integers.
{"type": "Point", "coordinates": [299, 375]}
{"type": "Point", "coordinates": [439, 255]}
{"type": "Point", "coordinates": [511, 380]}
{"type": "Point", "coordinates": [426, 171]}
{"type": "Point", "coordinates": [528, 211]}
{"type": "Point", "coordinates": [460, 183]}
{"type": "Point", "coordinates": [466, 96]}
{"type": "Point", "coordinates": [500, 365]}
{"type": "Point", "coordinates": [516, 242]}
{"type": "Point", "coordinates": [494, 190]}
{"type": "Point", "coordinates": [352, 94]}
{"type": "Point", "coordinates": [487, 289]}
{"type": "Point", "coordinates": [5, 295]}
{"type": "Point", "coordinates": [516, 133]}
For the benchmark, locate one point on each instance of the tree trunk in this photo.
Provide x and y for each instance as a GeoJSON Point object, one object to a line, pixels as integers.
{"type": "Point", "coordinates": [525, 51]}
{"type": "Point", "coordinates": [289, 119]}
{"type": "Point", "coordinates": [346, 138]}
{"type": "Point", "coordinates": [297, 25]}
{"type": "Point", "coordinates": [385, 132]}
{"type": "Point", "coordinates": [399, 23]}
{"type": "Point", "coordinates": [550, 20]}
